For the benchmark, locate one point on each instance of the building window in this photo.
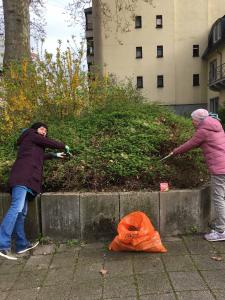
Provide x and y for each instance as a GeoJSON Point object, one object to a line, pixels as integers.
{"type": "Point", "coordinates": [196, 79]}
{"type": "Point", "coordinates": [140, 82]}
{"type": "Point", "coordinates": [138, 22]}
{"type": "Point", "coordinates": [90, 46]}
{"type": "Point", "coordinates": [160, 81]}
{"type": "Point", "coordinates": [138, 52]}
{"type": "Point", "coordinates": [158, 21]}
{"type": "Point", "coordinates": [89, 21]}
{"type": "Point", "coordinates": [214, 105]}
{"type": "Point", "coordinates": [195, 50]}
{"type": "Point", "coordinates": [213, 70]}
{"type": "Point", "coordinates": [159, 51]}
{"type": "Point", "coordinates": [217, 33]}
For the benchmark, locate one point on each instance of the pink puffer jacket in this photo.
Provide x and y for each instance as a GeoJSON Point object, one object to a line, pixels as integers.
{"type": "Point", "coordinates": [210, 137]}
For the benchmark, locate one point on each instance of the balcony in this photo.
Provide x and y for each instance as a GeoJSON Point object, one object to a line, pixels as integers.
{"type": "Point", "coordinates": [217, 79]}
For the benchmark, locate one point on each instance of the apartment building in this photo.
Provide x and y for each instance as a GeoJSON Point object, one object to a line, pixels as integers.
{"type": "Point", "coordinates": [163, 50]}
{"type": "Point", "coordinates": [214, 55]}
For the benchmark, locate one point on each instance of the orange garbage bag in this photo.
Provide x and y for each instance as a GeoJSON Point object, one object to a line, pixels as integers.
{"type": "Point", "coordinates": [136, 233]}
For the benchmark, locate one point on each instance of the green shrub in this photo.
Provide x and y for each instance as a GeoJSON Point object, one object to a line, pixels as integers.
{"type": "Point", "coordinates": [118, 147]}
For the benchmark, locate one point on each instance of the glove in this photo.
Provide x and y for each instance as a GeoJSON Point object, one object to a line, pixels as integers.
{"type": "Point", "coordinates": [67, 148]}
{"type": "Point", "coordinates": [61, 155]}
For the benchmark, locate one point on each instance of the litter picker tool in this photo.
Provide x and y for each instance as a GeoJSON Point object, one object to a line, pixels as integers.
{"type": "Point", "coordinates": [166, 156]}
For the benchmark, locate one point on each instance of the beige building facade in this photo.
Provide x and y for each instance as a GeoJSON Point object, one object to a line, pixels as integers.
{"type": "Point", "coordinates": [214, 56]}
{"type": "Point", "coordinates": [163, 50]}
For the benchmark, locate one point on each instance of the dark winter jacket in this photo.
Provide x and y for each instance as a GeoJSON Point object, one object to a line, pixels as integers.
{"type": "Point", "coordinates": [28, 167]}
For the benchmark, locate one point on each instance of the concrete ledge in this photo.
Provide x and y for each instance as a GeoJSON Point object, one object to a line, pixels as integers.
{"type": "Point", "coordinates": [95, 216]}
{"type": "Point", "coordinates": [148, 203]}
{"type": "Point", "coordinates": [32, 222]}
{"type": "Point", "coordinates": [99, 216]}
{"type": "Point", "coordinates": [60, 213]}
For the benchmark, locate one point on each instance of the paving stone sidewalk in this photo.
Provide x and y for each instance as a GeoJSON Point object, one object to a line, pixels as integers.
{"type": "Point", "coordinates": [185, 272]}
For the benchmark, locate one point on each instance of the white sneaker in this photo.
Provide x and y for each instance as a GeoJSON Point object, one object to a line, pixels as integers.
{"type": "Point", "coordinates": [31, 246]}
{"type": "Point", "coordinates": [215, 236]}
{"type": "Point", "coordinates": [7, 254]}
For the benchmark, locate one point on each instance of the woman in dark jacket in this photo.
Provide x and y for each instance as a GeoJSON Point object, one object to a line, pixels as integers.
{"type": "Point", "coordinates": [24, 184]}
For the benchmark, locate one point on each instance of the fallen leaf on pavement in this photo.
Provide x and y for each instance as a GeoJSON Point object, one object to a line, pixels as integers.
{"type": "Point", "coordinates": [217, 258]}
{"type": "Point", "coordinates": [39, 268]}
{"type": "Point", "coordinates": [104, 272]}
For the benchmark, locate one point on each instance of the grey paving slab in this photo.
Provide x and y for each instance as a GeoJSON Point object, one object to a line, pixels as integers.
{"type": "Point", "coordinates": [205, 262]}
{"type": "Point", "coordinates": [36, 262]}
{"type": "Point", "coordinates": [175, 248]}
{"type": "Point", "coordinates": [97, 246]}
{"type": "Point", "coordinates": [159, 297]}
{"type": "Point", "coordinates": [42, 250]}
{"type": "Point", "coordinates": [196, 295]}
{"type": "Point", "coordinates": [199, 246]}
{"type": "Point", "coordinates": [153, 283]}
{"type": "Point", "coordinates": [127, 298]}
{"type": "Point", "coordinates": [56, 292]}
{"type": "Point", "coordinates": [148, 264]}
{"type": "Point", "coordinates": [89, 256]}
{"type": "Point", "coordinates": [187, 281]}
{"type": "Point", "coordinates": [7, 281]}
{"type": "Point", "coordinates": [214, 278]}
{"type": "Point", "coordinates": [118, 255]}
{"type": "Point", "coordinates": [3, 295]}
{"type": "Point", "coordinates": [28, 280]}
{"type": "Point", "coordinates": [26, 294]}
{"type": "Point", "coordinates": [179, 263]}
{"type": "Point", "coordinates": [118, 268]}
{"type": "Point", "coordinates": [220, 246]}
{"type": "Point", "coordinates": [59, 276]}
{"type": "Point", "coordinates": [146, 254]}
{"type": "Point", "coordinates": [88, 290]}
{"type": "Point", "coordinates": [220, 294]}
{"type": "Point", "coordinates": [64, 260]}
{"type": "Point", "coordinates": [65, 248]}
{"type": "Point", "coordinates": [11, 266]}
{"type": "Point", "coordinates": [119, 287]}
{"type": "Point", "coordinates": [88, 272]}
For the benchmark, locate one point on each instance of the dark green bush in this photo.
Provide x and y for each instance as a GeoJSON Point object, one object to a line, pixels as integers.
{"type": "Point", "coordinates": [118, 147]}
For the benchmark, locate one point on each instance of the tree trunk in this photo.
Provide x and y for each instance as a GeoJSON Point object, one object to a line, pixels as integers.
{"type": "Point", "coordinates": [17, 30]}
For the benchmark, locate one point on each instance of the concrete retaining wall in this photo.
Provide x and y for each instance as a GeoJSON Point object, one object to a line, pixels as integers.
{"type": "Point", "coordinates": [32, 221]}
{"type": "Point", "coordinates": [95, 216]}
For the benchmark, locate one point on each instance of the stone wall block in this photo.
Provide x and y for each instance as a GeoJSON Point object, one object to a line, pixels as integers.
{"type": "Point", "coordinates": [99, 216]}
{"type": "Point", "coordinates": [32, 222]}
{"type": "Point", "coordinates": [1, 209]}
{"type": "Point", "coordinates": [60, 214]}
{"type": "Point", "coordinates": [148, 203]}
{"type": "Point", "coordinates": [179, 211]}
{"type": "Point", "coordinates": [207, 209]}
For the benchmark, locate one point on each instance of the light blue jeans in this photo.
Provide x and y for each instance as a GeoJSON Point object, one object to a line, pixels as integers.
{"type": "Point", "coordinates": [14, 219]}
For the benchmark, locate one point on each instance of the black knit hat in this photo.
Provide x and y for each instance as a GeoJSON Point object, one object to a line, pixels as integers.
{"type": "Point", "coordinates": [38, 125]}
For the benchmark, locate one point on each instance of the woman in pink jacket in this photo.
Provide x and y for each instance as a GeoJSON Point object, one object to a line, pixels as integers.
{"type": "Point", "coordinates": [210, 137]}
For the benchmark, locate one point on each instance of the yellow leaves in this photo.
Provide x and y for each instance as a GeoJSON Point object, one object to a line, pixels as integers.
{"type": "Point", "coordinates": [49, 88]}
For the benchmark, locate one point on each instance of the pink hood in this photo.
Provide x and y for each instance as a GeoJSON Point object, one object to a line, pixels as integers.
{"type": "Point", "coordinates": [210, 137]}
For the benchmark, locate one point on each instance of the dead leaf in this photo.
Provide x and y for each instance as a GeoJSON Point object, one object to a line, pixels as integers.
{"type": "Point", "coordinates": [133, 129]}
{"type": "Point", "coordinates": [171, 136]}
{"type": "Point", "coordinates": [39, 268]}
{"type": "Point", "coordinates": [137, 177]}
{"type": "Point", "coordinates": [124, 156]}
{"type": "Point", "coordinates": [103, 272]}
{"type": "Point", "coordinates": [217, 258]}
{"type": "Point", "coordinates": [82, 245]}
{"type": "Point", "coordinates": [146, 124]}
